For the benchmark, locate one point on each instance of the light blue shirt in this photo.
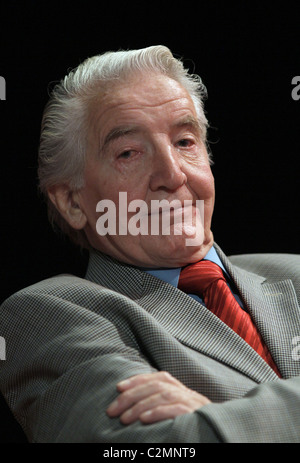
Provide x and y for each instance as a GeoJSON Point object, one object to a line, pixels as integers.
{"type": "Point", "coordinates": [171, 275]}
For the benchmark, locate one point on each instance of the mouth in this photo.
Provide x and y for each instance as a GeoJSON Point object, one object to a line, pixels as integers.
{"type": "Point", "coordinates": [180, 219]}
{"type": "Point", "coordinates": [174, 207]}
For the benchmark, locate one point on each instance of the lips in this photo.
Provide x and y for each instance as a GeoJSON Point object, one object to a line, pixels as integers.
{"type": "Point", "coordinates": [175, 206]}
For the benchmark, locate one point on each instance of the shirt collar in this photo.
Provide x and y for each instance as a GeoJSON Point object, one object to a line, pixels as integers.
{"type": "Point", "coordinates": [171, 275]}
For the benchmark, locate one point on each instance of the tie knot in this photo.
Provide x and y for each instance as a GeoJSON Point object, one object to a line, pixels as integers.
{"type": "Point", "coordinates": [196, 278]}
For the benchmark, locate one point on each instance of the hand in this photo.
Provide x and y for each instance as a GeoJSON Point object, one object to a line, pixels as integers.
{"type": "Point", "coordinates": [154, 397]}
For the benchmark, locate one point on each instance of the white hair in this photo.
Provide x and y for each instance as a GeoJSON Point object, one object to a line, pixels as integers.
{"type": "Point", "coordinates": [63, 141]}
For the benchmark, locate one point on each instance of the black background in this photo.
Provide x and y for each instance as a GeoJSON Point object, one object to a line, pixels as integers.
{"type": "Point", "coordinates": [246, 53]}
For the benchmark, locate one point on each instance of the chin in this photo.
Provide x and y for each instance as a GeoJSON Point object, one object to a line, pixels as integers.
{"type": "Point", "coordinates": [175, 253]}
{"type": "Point", "coordinates": [191, 257]}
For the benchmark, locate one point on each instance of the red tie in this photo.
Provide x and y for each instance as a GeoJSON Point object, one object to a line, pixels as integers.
{"type": "Point", "coordinates": [207, 280]}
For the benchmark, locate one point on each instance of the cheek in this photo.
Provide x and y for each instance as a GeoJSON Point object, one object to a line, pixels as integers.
{"type": "Point", "coordinates": [121, 194]}
{"type": "Point", "coordinates": [133, 187]}
{"type": "Point", "coordinates": [202, 183]}
{"type": "Point", "coordinates": [210, 186]}
{"type": "Point", "coordinates": [88, 203]}
{"type": "Point", "coordinates": [99, 184]}
{"type": "Point", "coordinates": [113, 182]}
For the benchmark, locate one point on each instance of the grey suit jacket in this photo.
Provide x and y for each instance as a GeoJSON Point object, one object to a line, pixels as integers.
{"type": "Point", "coordinates": [70, 340]}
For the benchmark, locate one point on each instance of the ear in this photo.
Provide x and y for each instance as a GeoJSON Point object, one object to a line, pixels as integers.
{"type": "Point", "coordinates": [67, 204]}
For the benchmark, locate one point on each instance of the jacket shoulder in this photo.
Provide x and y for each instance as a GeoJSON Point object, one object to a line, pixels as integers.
{"type": "Point", "coordinates": [59, 289]}
{"type": "Point", "coordinates": [53, 284]}
{"type": "Point", "coordinates": [273, 267]}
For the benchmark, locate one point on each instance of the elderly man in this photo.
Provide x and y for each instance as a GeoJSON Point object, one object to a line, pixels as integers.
{"type": "Point", "coordinates": [165, 339]}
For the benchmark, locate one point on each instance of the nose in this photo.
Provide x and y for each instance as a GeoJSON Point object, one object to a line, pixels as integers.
{"type": "Point", "coordinates": [167, 171]}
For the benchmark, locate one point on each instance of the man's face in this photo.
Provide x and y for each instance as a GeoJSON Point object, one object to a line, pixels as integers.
{"type": "Point", "coordinates": [145, 142]}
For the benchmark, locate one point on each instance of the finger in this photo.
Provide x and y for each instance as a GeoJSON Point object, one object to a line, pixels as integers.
{"type": "Point", "coordinates": [139, 390]}
{"type": "Point", "coordinates": [189, 404]}
{"type": "Point", "coordinates": [164, 412]}
{"type": "Point", "coordinates": [133, 395]}
{"type": "Point", "coordinates": [145, 378]}
{"type": "Point", "coordinates": [182, 401]}
{"type": "Point", "coordinates": [167, 395]}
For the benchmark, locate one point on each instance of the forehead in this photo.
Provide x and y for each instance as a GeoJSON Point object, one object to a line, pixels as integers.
{"type": "Point", "coordinates": [139, 97]}
{"type": "Point", "coordinates": [150, 90]}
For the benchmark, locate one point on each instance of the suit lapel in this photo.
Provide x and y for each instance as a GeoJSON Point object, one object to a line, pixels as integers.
{"type": "Point", "coordinates": [187, 320]}
{"type": "Point", "coordinates": [195, 326]}
{"type": "Point", "coordinates": [274, 309]}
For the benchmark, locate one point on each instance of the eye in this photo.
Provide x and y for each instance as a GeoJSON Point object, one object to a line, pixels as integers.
{"type": "Point", "coordinates": [185, 143]}
{"type": "Point", "coordinates": [125, 154]}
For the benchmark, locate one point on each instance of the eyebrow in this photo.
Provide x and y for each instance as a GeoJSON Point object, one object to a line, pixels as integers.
{"type": "Point", "coordinates": [122, 131]}
{"type": "Point", "coordinates": [189, 122]}
{"type": "Point", "coordinates": [119, 132]}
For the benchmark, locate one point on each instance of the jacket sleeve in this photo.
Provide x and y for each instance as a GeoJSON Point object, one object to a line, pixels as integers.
{"type": "Point", "coordinates": [63, 363]}
{"type": "Point", "coordinates": [61, 369]}
{"type": "Point", "coordinates": [269, 413]}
